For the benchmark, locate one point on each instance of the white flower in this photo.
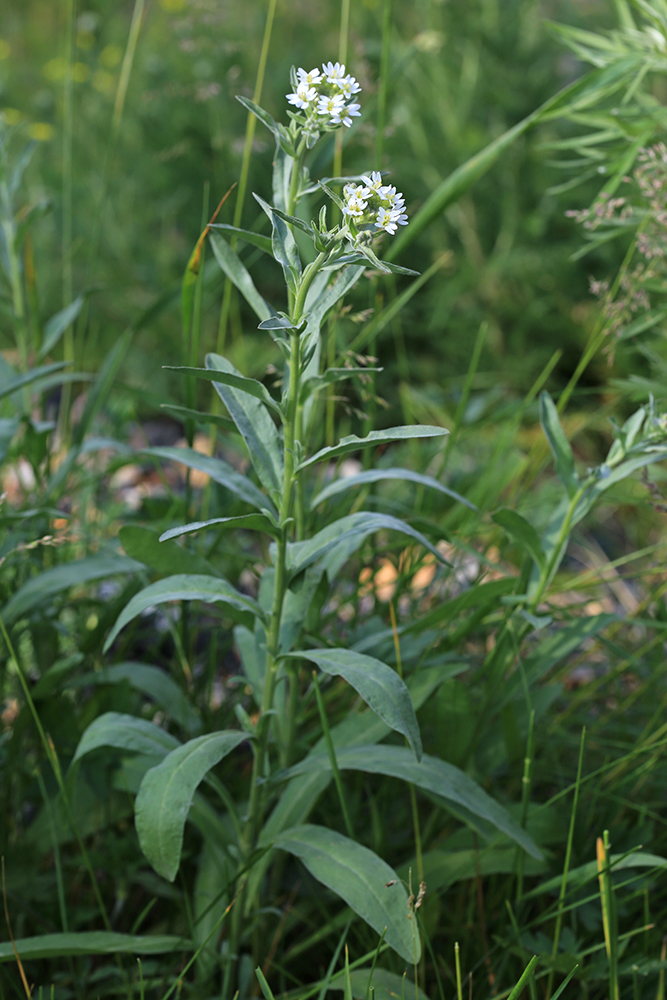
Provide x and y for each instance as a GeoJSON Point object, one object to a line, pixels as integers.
{"type": "Point", "coordinates": [334, 72]}
{"type": "Point", "coordinates": [348, 86]}
{"type": "Point", "coordinates": [374, 182]}
{"type": "Point", "coordinates": [331, 106]}
{"type": "Point", "coordinates": [351, 110]}
{"type": "Point", "coordinates": [312, 78]}
{"type": "Point", "coordinates": [303, 96]}
{"type": "Point", "coordinates": [385, 221]}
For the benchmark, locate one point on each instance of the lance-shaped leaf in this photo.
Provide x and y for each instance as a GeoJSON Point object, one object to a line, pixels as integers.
{"type": "Point", "coordinates": [378, 475]}
{"type": "Point", "coordinates": [55, 327]}
{"type": "Point", "coordinates": [560, 447]}
{"type": "Point", "coordinates": [283, 245]}
{"type": "Point", "coordinates": [250, 522]}
{"type": "Point", "coordinates": [360, 878]}
{"type": "Point", "coordinates": [353, 443]}
{"type": "Point", "coordinates": [346, 535]}
{"type": "Point", "coordinates": [231, 265]}
{"type": "Point", "coordinates": [183, 587]}
{"type": "Point", "coordinates": [251, 386]}
{"type": "Point", "coordinates": [279, 131]}
{"type": "Point", "coordinates": [380, 687]}
{"type": "Point", "coordinates": [91, 943]}
{"type": "Point", "coordinates": [40, 589]}
{"type": "Point", "coordinates": [221, 472]}
{"type": "Point", "coordinates": [521, 531]}
{"type": "Point", "coordinates": [262, 243]}
{"type": "Point", "coordinates": [144, 545]}
{"type": "Point", "coordinates": [152, 681]}
{"type": "Point", "coordinates": [255, 427]}
{"type": "Point", "coordinates": [166, 794]}
{"type": "Point", "coordinates": [125, 732]}
{"type": "Point", "coordinates": [16, 382]}
{"type": "Point", "coordinates": [430, 774]}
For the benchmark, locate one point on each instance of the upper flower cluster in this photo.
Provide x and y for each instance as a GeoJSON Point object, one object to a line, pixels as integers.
{"type": "Point", "coordinates": [325, 95]}
{"type": "Point", "coordinates": [374, 203]}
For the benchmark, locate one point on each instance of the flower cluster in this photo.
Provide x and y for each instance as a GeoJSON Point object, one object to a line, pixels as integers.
{"type": "Point", "coordinates": [375, 204]}
{"type": "Point", "coordinates": [324, 96]}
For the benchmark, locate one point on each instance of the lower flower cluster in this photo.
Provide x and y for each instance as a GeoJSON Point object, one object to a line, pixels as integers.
{"type": "Point", "coordinates": [373, 203]}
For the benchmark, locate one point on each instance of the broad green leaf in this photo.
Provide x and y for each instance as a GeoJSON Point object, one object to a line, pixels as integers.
{"type": "Point", "coordinates": [255, 427]}
{"type": "Point", "coordinates": [152, 681]}
{"type": "Point", "coordinates": [8, 387]}
{"type": "Point", "coordinates": [182, 587]}
{"type": "Point", "coordinates": [560, 447]}
{"type": "Point", "coordinates": [521, 531]}
{"type": "Point", "coordinates": [379, 686]}
{"type": "Point", "coordinates": [55, 327]}
{"type": "Point", "coordinates": [145, 546]}
{"type": "Point", "coordinates": [166, 794]}
{"type": "Point", "coordinates": [430, 774]}
{"type": "Point", "coordinates": [248, 385]}
{"type": "Point", "coordinates": [378, 475]}
{"type": "Point", "coordinates": [231, 265]}
{"type": "Point", "coordinates": [125, 732]}
{"type": "Point", "coordinates": [386, 985]}
{"type": "Point", "coordinates": [92, 943]}
{"type": "Point", "coordinates": [344, 536]}
{"type": "Point", "coordinates": [221, 472]}
{"type": "Point", "coordinates": [360, 878]}
{"type": "Point", "coordinates": [278, 322]}
{"type": "Point", "coordinates": [362, 728]}
{"type": "Point", "coordinates": [40, 589]}
{"type": "Point", "coordinates": [354, 443]}
{"type": "Point", "coordinates": [262, 243]}
{"type": "Point", "coordinates": [250, 522]}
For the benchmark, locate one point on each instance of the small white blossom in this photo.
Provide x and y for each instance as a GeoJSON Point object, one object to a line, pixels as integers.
{"type": "Point", "coordinates": [348, 86]}
{"type": "Point", "coordinates": [385, 221]}
{"type": "Point", "coordinates": [334, 72]}
{"type": "Point", "coordinates": [312, 78]}
{"type": "Point", "coordinates": [351, 111]}
{"type": "Point", "coordinates": [374, 182]}
{"type": "Point", "coordinates": [331, 106]}
{"type": "Point", "coordinates": [303, 97]}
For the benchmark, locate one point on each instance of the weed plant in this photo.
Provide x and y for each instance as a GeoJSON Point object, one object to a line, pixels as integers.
{"type": "Point", "coordinates": [377, 675]}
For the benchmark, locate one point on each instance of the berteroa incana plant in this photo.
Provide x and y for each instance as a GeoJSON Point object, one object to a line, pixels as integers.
{"type": "Point", "coordinates": [278, 638]}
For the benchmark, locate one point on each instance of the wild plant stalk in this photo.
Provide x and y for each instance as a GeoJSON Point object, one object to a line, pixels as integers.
{"type": "Point", "coordinates": [67, 195]}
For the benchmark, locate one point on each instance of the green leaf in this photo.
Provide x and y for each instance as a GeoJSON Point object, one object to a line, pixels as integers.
{"type": "Point", "coordinates": [262, 243]}
{"type": "Point", "coordinates": [360, 878]}
{"type": "Point", "coordinates": [231, 265]}
{"type": "Point", "coordinates": [380, 687]}
{"type": "Point", "coordinates": [386, 985]}
{"type": "Point", "coordinates": [558, 443]}
{"type": "Point", "coordinates": [183, 587]}
{"type": "Point", "coordinates": [250, 522]}
{"type": "Point", "coordinates": [283, 245]}
{"type": "Point", "coordinates": [343, 537]}
{"type": "Point", "coordinates": [152, 681]}
{"type": "Point", "coordinates": [255, 427]}
{"type": "Point", "coordinates": [250, 386]}
{"type": "Point", "coordinates": [431, 775]}
{"type": "Point", "coordinates": [378, 475]}
{"type": "Point", "coordinates": [125, 732]}
{"type": "Point", "coordinates": [277, 323]}
{"type": "Point", "coordinates": [57, 324]}
{"type": "Point", "coordinates": [219, 471]}
{"type": "Point", "coordinates": [354, 443]}
{"type": "Point", "coordinates": [92, 943]}
{"type": "Point", "coordinates": [166, 794]}
{"type": "Point", "coordinates": [279, 131]}
{"type": "Point", "coordinates": [521, 531]}
{"type": "Point", "coordinates": [40, 589]}
{"type": "Point", "coordinates": [144, 545]}
{"type": "Point", "coordinates": [8, 387]}
{"type": "Point", "coordinates": [578, 877]}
